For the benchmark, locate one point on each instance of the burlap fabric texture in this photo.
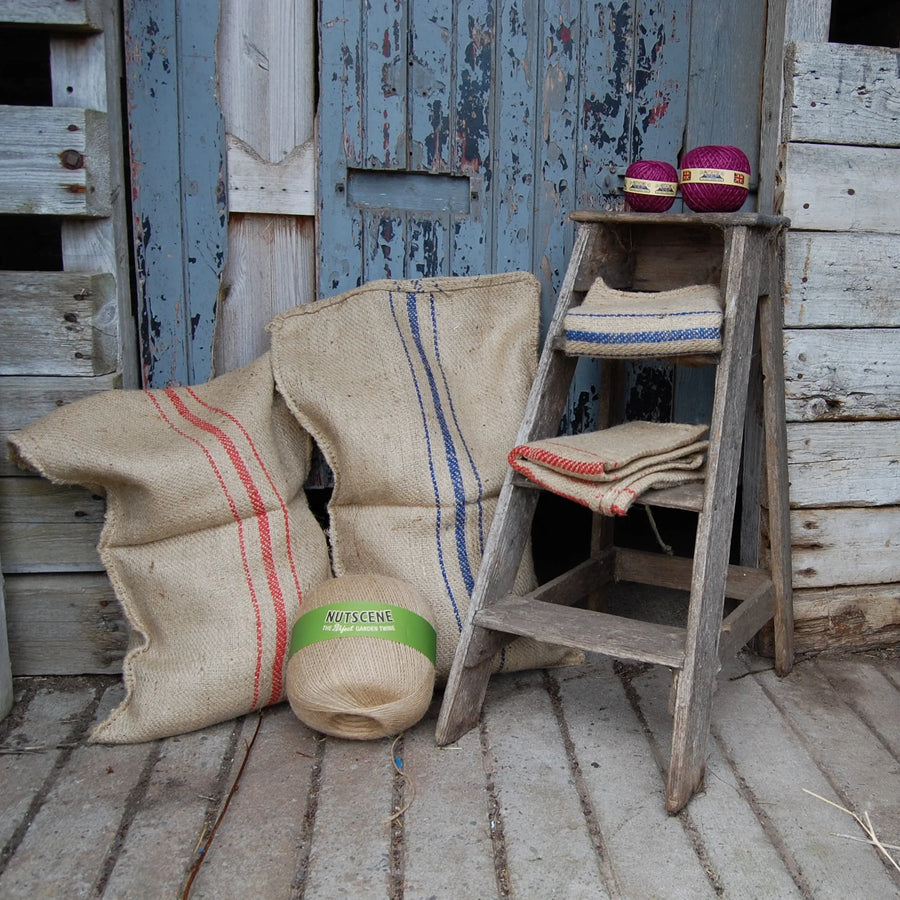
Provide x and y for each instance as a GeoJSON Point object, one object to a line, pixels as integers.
{"type": "Point", "coordinates": [414, 391]}
{"type": "Point", "coordinates": [356, 686]}
{"type": "Point", "coordinates": [635, 324]}
{"type": "Point", "coordinates": [608, 470]}
{"type": "Point", "coordinates": [208, 540]}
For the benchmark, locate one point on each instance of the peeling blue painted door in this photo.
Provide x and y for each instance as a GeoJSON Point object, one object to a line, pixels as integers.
{"type": "Point", "coordinates": [178, 207]}
{"type": "Point", "coordinates": [456, 137]}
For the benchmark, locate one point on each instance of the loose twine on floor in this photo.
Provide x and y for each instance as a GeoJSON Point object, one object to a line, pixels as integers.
{"type": "Point", "coordinates": [202, 848]}
{"type": "Point", "coordinates": [865, 823]}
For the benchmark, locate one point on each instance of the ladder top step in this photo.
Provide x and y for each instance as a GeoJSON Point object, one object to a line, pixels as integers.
{"type": "Point", "coordinates": [721, 220]}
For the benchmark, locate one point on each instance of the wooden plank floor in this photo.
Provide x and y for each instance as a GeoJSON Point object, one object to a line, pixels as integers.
{"type": "Point", "coordinates": [558, 794]}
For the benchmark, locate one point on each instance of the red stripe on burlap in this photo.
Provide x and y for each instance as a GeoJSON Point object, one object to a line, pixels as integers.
{"type": "Point", "coordinates": [241, 542]}
{"type": "Point", "coordinates": [282, 612]}
{"type": "Point", "coordinates": [265, 534]}
{"type": "Point", "coordinates": [530, 474]}
{"type": "Point", "coordinates": [563, 463]}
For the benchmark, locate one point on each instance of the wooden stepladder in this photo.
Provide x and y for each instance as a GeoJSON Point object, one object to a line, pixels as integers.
{"type": "Point", "coordinates": [656, 252]}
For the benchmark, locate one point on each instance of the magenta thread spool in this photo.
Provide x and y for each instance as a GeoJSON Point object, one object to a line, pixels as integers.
{"type": "Point", "coordinates": [650, 185]}
{"type": "Point", "coordinates": [715, 178]}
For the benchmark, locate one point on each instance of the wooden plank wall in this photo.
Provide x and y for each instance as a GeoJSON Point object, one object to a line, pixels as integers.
{"type": "Point", "coordinates": [838, 170]}
{"type": "Point", "coordinates": [265, 54]}
{"type": "Point", "coordinates": [63, 334]}
{"type": "Point", "coordinates": [177, 171]}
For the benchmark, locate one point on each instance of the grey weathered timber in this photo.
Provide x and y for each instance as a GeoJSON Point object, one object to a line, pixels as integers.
{"type": "Point", "coordinates": [6, 685]}
{"type": "Point", "coordinates": [835, 464]}
{"type": "Point", "coordinates": [840, 137]}
{"type": "Point", "coordinates": [841, 280]}
{"type": "Point", "coordinates": [835, 187]}
{"type": "Point", "coordinates": [776, 489]}
{"type": "Point", "coordinates": [54, 162]}
{"type": "Point", "coordinates": [58, 323]}
{"type": "Point", "coordinates": [846, 617]}
{"type": "Point", "coordinates": [749, 271]}
{"type": "Point", "coordinates": [64, 624]}
{"type": "Point", "coordinates": [28, 397]}
{"type": "Point", "coordinates": [825, 539]}
{"type": "Point", "coordinates": [849, 97]}
{"type": "Point", "coordinates": [49, 528]}
{"type": "Point", "coordinates": [78, 15]}
{"type": "Point", "coordinates": [266, 85]}
{"type": "Point", "coordinates": [842, 373]}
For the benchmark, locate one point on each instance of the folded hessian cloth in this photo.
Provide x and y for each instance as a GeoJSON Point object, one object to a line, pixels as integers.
{"type": "Point", "coordinates": [608, 470]}
{"type": "Point", "coordinates": [638, 324]}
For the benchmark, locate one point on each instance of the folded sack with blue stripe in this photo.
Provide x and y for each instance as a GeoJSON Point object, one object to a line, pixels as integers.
{"type": "Point", "coordinates": [635, 324]}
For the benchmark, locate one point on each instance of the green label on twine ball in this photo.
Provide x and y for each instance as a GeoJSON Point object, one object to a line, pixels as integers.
{"type": "Point", "coordinates": [374, 620]}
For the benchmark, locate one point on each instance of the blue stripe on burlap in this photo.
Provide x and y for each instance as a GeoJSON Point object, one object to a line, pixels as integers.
{"type": "Point", "coordinates": [426, 371]}
{"type": "Point", "coordinates": [643, 337]}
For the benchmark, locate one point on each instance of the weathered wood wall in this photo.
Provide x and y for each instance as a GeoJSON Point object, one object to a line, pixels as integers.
{"type": "Point", "coordinates": [265, 57]}
{"type": "Point", "coordinates": [63, 334]}
{"type": "Point", "coordinates": [838, 170]}
{"type": "Point", "coordinates": [177, 173]}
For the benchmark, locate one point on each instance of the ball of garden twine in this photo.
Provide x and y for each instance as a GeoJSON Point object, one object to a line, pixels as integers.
{"type": "Point", "coordinates": [715, 178]}
{"type": "Point", "coordinates": [362, 663]}
{"type": "Point", "coordinates": [650, 185]}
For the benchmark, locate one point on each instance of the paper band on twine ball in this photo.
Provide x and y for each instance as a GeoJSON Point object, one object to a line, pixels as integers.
{"type": "Point", "coordinates": [650, 185]}
{"type": "Point", "coordinates": [715, 178]}
{"type": "Point", "coordinates": [363, 655]}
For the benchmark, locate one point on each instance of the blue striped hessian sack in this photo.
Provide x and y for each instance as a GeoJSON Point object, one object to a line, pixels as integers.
{"type": "Point", "coordinates": [414, 392]}
{"type": "Point", "coordinates": [633, 324]}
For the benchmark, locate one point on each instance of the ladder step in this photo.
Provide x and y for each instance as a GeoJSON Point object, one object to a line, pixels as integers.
{"type": "Point", "coordinates": [586, 630]}
{"type": "Point", "coordinates": [742, 582]}
{"type": "Point", "coordinates": [684, 496]}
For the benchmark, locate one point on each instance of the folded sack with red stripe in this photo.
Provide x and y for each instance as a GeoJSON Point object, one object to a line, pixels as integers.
{"type": "Point", "coordinates": [608, 470]}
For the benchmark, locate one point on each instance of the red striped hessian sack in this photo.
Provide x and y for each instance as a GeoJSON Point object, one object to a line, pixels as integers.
{"type": "Point", "coordinates": [414, 392]}
{"type": "Point", "coordinates": [208, 540]}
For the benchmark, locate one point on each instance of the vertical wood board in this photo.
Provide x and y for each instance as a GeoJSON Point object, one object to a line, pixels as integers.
{"type": "Point", "coordinates": [727, 51]}
{"type": "Point", "coordinates": [266, 76]}
{"type": "Point", "coordinates": [176, 147]}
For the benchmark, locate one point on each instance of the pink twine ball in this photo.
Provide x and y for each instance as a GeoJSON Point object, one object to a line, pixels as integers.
{"type": "Point", "coordinates": [715, 178]}
{"type": "Point", "coordinates": [650, 185]}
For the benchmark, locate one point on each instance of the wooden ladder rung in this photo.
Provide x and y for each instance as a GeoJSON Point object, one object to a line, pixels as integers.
{"type": "Point", "coordinates": [586, 630]}
{"type": "Point", "coordinates": [684, 496]}
{"type": "Point", "coordinates": [742, 582]}
{"type": "Point", "coordinates": [745, 621]}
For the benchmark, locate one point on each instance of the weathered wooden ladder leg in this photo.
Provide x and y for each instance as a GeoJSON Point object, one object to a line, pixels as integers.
{"type": "Point", "coordinates": [696, 681]}
{"type": "Point", "coordinates": [471, 670]}
{"type": "Point", "coordinates": [771, 324]}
